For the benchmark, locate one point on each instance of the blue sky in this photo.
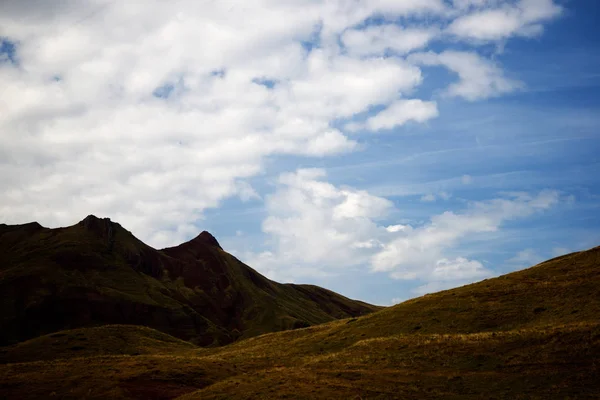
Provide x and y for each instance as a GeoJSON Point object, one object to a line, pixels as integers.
{"type": "Point", "coordinates": [383, 150]}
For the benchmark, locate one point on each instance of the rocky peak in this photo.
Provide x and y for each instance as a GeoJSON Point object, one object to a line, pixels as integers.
{"type": "Point", "coordinates": [103, 227]}
{"type": "Point", "coordinates": [207, 238]}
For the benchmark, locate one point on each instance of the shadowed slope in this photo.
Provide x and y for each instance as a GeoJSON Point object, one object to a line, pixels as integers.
{"type": "Point", "coordinates": [96, 273]}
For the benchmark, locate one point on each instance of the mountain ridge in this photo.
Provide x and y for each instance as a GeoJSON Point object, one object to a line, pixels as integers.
{"type": "Point", "coordinates": [96, 272]}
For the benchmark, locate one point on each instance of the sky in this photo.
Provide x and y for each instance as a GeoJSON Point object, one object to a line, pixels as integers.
{"type": "Point", "coordinates": [384, 149]}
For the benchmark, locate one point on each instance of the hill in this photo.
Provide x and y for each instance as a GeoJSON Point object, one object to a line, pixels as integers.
{"type": "Point", "coordinates": [85, 342]}
{"type": "Point", "coordinates": [532, 334]}
{"type": "Point", "coordinates": [96, 273]}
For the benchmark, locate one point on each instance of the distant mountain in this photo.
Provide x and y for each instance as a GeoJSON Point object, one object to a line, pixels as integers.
{"type": "Point", "coordinates": [97, 273]}
{"type": "Point", "coordinates": [531, 334]}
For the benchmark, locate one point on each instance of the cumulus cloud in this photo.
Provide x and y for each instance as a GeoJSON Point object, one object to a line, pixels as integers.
{"type": "Point", "coordinates": [503, 20]}
{"type": "Point", "coordinates": [401, 112]}
{"type": "Point", "coordinates": [418, 253]}
{"type": "Point", "coordinates": [397, 228]}
{"type": "Point", "coordinates": [314, 223]}
{"type": "Point", "coordinates": [458, 269]}
{"type": "Point", "coordinates": [397, 114]}
{"type": "Point", "coordinates": [150, 124]}
{"type": "Point", "coordinates": [479, 78]}
{"type": "Point", "coordinates": [151, 113]}
{"type": "Point", "coordinates": [317, 229]}
{"type": "Point", "coordinates": [375, 40]}
{"type": "Point", "coordinates": [449, 274]}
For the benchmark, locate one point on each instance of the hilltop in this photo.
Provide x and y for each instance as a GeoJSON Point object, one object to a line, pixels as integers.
{"type": "Point", "coordinates": [532, 334]}
{"type": "Point", "coordinates": [96, 273]}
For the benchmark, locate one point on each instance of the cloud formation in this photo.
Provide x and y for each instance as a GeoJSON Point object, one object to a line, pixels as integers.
{"type": "Point", "coordinates": [316, 226]}
{"type": "Point", "coordinates": [376, 40]}
{"type": "Point", "coordinates": [502, 20]}
{"type": "Point", "coordinates": [153, 113]}
{"type": "Point", "coordinates": [318, 229]}
{"type": "Point", "coordinates": [479, 78]}
{"type": "Point", "coordinates": [417, 252]}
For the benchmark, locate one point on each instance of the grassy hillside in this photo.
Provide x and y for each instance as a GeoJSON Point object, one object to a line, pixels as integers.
{"type": "Point", "coordinates": [533, 334]}
{"type": "Point", "coordinates": [96, 273]}
{"type": "Point", "coordinates": [86, 342]}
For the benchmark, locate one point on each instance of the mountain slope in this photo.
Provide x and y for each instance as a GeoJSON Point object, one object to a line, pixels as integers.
{"type": "Point", "coordinates": [532, 334]}
{"type": "Point", "coordinates": [96, 273]}
{"type": "Point", "coordinates": [97, 341]}
{"type": "Point", "coordinates": [561, 292]}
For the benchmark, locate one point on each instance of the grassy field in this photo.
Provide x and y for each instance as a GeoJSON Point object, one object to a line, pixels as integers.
{"type": "Point", "coordinates": [532, 334]}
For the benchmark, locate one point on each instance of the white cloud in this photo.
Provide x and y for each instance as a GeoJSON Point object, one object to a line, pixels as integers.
{"type": "Point", "coordinates": [416, 254]}
{"type": "Point", "coordinates": [458, 269]}
{"type": "Point", "coordinates": [402, 111]}
{"type": "Point", "coordinates": [316, 226]}
{"type": "Point", "coordinates": [478, 78]}
{"type": "Point", "coordinates": [437, 286]}
{"type": "Point", "coordinates": [526, 258]}
{"type": "Point", "coordinates": [95, 140]}
{"type": "Point", "coordinates": [375, 40]}
{"type": "Point", "coordinates": [505, 20]}
{"type": "Point", "coordinates": [316, 229]}
{"type": "Point", "coordinates": [81, 132]}
{"type": "Point", "coordinates": [398, 228]}
{"type": "Point", "coordinates": [466, 179]}
{"type": "Point", "coordinates": [449, 274]}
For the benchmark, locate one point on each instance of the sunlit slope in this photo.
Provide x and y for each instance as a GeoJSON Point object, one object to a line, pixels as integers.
{"type": "Point", "coordinates": [534, 331]}
{"type": "Point", "coordinates": [557, 292]}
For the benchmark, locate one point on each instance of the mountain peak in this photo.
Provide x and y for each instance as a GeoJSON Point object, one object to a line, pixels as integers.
{"type": "Point", "coordinates": [208, 238]}
{"type": "Point", "coordinates": [92, 219]}
{"type": "Point", "coordinates": [103, 227]}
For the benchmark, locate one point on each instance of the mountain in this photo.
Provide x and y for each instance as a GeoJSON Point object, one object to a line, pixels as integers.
{"type": "Point", "coordinates": [532, 334]}
{"type": "Point", "coordinates": [97, 273]}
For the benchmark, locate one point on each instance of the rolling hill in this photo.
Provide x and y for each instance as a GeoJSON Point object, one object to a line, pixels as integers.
{"type": "Point", "coordinates": [532, 334]}
{"type": "Point", "coordinates": [96, 273]}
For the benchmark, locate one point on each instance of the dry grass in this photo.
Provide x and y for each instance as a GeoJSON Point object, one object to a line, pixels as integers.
{"type": "Point", "coordinates": [534, 334]}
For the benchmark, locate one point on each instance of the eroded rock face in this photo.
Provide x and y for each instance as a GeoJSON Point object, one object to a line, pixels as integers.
{"type": "Point", "coordinates": [96, 272]}
{"type": "Point", "coordinates": [103, 227]}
